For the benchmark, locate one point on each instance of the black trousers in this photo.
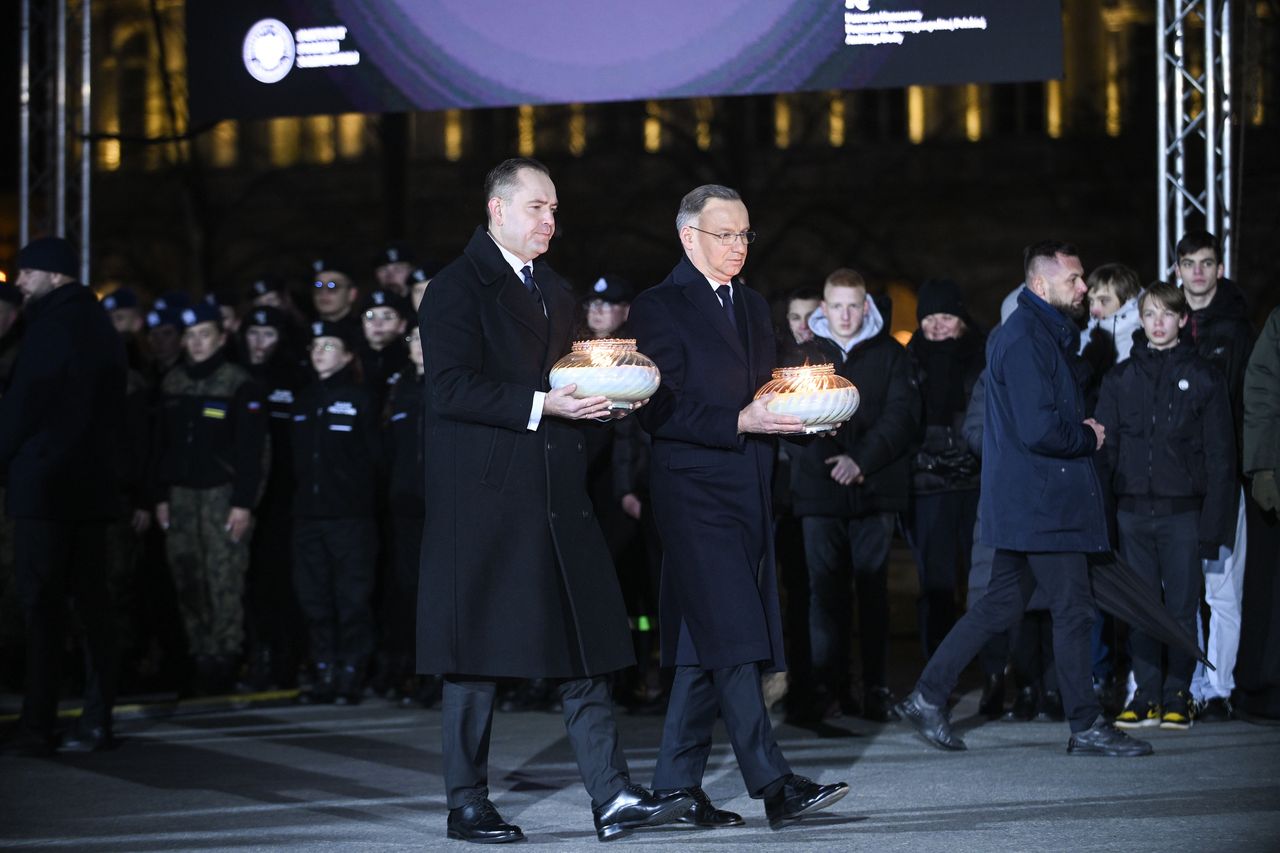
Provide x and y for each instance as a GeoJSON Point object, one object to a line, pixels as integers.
{"type": "Point", "coordinates": [1164, 551]}
{"type": "Point", "coordinates": [698, 696]}
{"type": "Point", "coordinates": [1064, 577]}
{"type": "Point", "coordinates": [333, 568]}
{"type": "Point", "coordinates": [467, 721]}
{"type": "Point", "coordinates": [54, 560]}
{"type": "Point", "coordinates": [940, 532]}
{"type": "Point", "coordinates": [845, 554]}
{"type": "Point", "coordinates": [401, 594]}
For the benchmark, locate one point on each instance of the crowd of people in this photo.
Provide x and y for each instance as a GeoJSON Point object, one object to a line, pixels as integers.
{"type": "Point", "coordinates": [350, 494]}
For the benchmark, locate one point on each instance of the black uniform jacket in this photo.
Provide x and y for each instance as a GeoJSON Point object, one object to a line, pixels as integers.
{"type": "Point", "coordinates": [1170, 441]}
{"type": "Point", "coordinates": [212, 431]}
{"type": "Point", "coordinates": [516, 579]}
{"type": "Point", "coordinates": [404, 446]}
{"type": "Point", "coordinates": [336, 448]}
{"type": "Point", "coordinates": [710, 485]}
{"type": "Point", "coordinates": [62, 416]}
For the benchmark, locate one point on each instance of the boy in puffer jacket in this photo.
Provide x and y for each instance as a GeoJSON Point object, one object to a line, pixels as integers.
{"type": "Point", "coordinates": [1170, 461]}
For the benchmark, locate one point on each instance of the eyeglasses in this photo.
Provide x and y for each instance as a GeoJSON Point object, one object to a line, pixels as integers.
{"type": "Point", "coordinates": [386, 315]}
{"type": "Point", "coordinates": [319, 347]}
{"type": "Point", "coordinates": [729, 239]}
{"type": "Point", "coordinates": [321, 285]}
{"type": "Point", "coordinates": [601, 304]}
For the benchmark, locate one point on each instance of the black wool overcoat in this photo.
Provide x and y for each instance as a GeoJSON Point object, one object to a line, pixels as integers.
{"type": "Point", "coordinates": [710, 486]}
{"type": "Point", "coordinates": [515, 578]}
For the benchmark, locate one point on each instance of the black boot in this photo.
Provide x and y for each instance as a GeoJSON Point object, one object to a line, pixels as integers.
{"type": "Point", "coordinates": [1024, 706]}
{"type": "Point", "coordinates": [321, 691]}
{"type": "Point", "coordinates": [991, 705]}
{"type": "Point", "coordinates": [349, 684]}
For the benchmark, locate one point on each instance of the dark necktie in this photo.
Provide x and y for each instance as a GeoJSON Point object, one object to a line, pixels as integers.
{"type": "Point", "coordinates": [726, 302]}
{"type": "Point", "coordinates": [526, 272]}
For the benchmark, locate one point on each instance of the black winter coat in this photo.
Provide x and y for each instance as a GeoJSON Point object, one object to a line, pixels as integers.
{"type": "Point", "coordinates": [943, 461]}
{"type": "Point", "coordinates": [1222, 334]}
{"type": "Point", "coordinates": [62, 416]}
{"type": "Point", "coordinates": [405, 445]}
{"type": "Point", "coordinates": [336, 448]}
{"type": "Point", "coordinates": [516, 578]}
{"type": "Point", "coordinates": [879, 436]}
{"type": "Point", "coordinates": [1170, 445]}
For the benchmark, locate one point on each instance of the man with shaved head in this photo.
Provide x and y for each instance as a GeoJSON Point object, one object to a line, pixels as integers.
{"type": "Point", "coordinates": [1041, 507]}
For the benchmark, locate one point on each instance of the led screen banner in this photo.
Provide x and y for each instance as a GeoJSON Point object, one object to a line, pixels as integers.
{"type": "Point", "coordinates": [257, 58]}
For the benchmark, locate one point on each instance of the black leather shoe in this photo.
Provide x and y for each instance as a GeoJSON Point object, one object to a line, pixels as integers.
{"type": "Point", "coordinates": [991, 705]}
{"type": "Point", "coordinates": [798, 797]}
{"type": "Point", "coordinates": [1024, 705]}
{"type": "Point", "coordinates": [704, 813]}
{"type": "Point", "coordinates": [1050, 710]}
{"type": "Point", "coordinates": [878, 706]}
{"type": "Point", "coordinates": [633, 807]}
{"type": "Point", "coordinates": [930, 722]}
{"type": "Point", "coordinates": [479, 822]}
{"type": "Point", "coordinates": [96, 739]}
{"type": "Point", "coordinates": [1105, 739]}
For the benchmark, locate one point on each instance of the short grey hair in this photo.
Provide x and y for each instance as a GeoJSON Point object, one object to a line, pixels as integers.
{"type": "Point", "coordinates": [693, 203]}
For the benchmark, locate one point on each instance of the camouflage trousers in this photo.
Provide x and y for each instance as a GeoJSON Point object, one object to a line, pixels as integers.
{"type": "Point", "coordinates": [208, 569]}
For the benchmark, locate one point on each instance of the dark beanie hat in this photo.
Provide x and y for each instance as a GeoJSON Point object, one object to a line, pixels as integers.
{"type": "Point", "coordinates": [268, 316]}
{"type": "Point", "coordinates": [940, 296]}
{"type": "Point", "coordinates": [121, 297]}
{"type": "Point", "coordinates": [49, 254]}
{"type": "Point", "coordinates": [344, 332]}
{"type": "Point", "coordinates": [9, 293]}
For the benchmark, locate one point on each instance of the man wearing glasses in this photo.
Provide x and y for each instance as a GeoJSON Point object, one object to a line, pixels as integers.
{"type": "Point", "coordinates": [713, 340]}
{"type": "Point", "coordinates": [335, 296]}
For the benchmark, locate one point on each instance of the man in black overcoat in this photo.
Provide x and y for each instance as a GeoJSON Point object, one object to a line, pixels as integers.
{"type": "Point", "coordinates": [713, 341]}
{"type": "Point", "coordinates": [61, 423]}
{"type": "Point", "coordinates": [516, 579]}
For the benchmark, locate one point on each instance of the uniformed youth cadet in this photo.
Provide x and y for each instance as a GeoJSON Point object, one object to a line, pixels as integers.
{"type": "Point", "coordinates": [336, 452]}
{"type": "Point", "coordinates": [212, 463]}
{"type": "Point", "coordinates": [273, 623]}
{"type": "Point", "coordinates": [383, 317]}
{"type": "Point", "coordinates": [404, 444]}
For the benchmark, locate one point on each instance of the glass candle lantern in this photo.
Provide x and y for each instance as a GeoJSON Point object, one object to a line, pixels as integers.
{"type": "Point", "coordinates": [610, 368]}
{"type": "Point", "coordinates": [815, 393]}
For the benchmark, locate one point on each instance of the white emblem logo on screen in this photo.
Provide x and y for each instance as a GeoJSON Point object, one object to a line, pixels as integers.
{"type": "Point", "coordinates": [269, 51]}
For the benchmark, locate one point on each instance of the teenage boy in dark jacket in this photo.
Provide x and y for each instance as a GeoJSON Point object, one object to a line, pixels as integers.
{"type": "Point", "coordinates": [847, 489]}
{"type": "Point", "coordinates": [335, 457]}
{"type": "Point", "coordinates": [1171, 460]}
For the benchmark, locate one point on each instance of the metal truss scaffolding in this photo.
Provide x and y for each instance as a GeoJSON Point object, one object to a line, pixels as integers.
{"type": "Point", "coordinates": [1194, 84]}
{"type": "Point", "coordinates": [54, 120]}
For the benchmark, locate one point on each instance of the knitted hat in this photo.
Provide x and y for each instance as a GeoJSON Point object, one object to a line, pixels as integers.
{"type": "Point", "coordinates": [49, 254]}
{"type": "Point", "coordinates": [940, 296]}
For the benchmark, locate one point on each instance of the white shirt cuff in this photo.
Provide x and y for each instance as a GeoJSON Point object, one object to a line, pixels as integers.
{"type": "Point", "coordinates": [535, 414]}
